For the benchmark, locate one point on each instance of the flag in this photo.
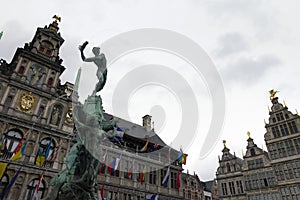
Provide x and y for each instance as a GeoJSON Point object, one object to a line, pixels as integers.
{"type": "Point", "coordinates": [18, 155]}
{"type": "Point", "coordinates": [102, 168]}
{"type": "Point", "coordinates": [13, 180]}
{"type": "Point", "coordinates": [129, 173]}
{"type": "Point", "coordinates": [19, 146]}
{"type": "Point", "coordinates": [183, 159]}
{"type": "Point", "coordinates": [102, 192]}
{"type": "Point", "coordinates": [178, 180]}
{"type": "Point", "coordinates": [48, 148]}
{"type": "Point", "coordinates": [117, 194]}
{"type": "Point", "coordinates": [40, 158]}
{"type": "Point", "coordinates": [114, 165]}
{"type": "Point", "coordinates": [142, 178]}
{"type": "Point", "coordinates": [180, 154]}
{"type": "Point", "coordinates": [145, 147]}
{"type": "Point", "coordinates": [152, 197]}
{"type": "Point", "coordinates": [54, 153]}
{"type": "Point", "coordinates": [2, 169]}
{"type": "Point", "coordinates": [36, 192]}
{"type": "Point", "coordinates": [166, 179]}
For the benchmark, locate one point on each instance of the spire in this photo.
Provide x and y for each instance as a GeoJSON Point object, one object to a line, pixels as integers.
{"type": "Point", "coordinates": [272, 94]}
{"type": "Point", "coordinates": [224, 143]}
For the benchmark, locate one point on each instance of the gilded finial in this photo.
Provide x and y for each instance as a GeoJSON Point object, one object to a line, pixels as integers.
{"type": "Point", "coordinates": [56, 18]}
{"type": "Point", "coordinates": [248, 133]}
{"type": "Point", "coordinates": [262, 147]}
{"type": "Point", "coordinates": [296, 111]}
{"type": "Point", "coordinates": [265, 122]}
{"type": "Point", "coordinates": [284, 103]}
{"type": "Point", "coordinates": [269, 109]}
{"type": "Point", "coordinates": [224, 142]}
{"type": "Point", "coordinates": [243, 152]}
{"type": "Point", "coordinates": [272, 94]}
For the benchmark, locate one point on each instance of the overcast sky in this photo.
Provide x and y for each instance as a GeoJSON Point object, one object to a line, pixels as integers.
{"type": "Point", "coordinates": [254, 44]}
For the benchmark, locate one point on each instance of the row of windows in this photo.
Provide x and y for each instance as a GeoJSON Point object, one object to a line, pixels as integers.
{"type": "Point", "coordinates": [259, 180]}
{"type": "Point", "coordinates": [234, 188]}
{"type": "Point", "coordinates": [284, 129]}
{"type": "Point", "coordinates": [257, 163]}
{"type": "Point", "coordinates": [290, 193]}
{"type": "Point", "coordinates": [188, 194]}
{"type": "Point", "coordinates": [267, 196]}
{"type": "Point", "coordinates": [284, 148]}
{"type": "Point", "coordinates": [287, 171]}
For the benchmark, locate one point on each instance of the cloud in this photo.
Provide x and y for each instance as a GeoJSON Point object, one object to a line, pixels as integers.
{"type": "Point", "coordinates": [247, 70]}
{"type": "Point", "coordinates": [231, 43]}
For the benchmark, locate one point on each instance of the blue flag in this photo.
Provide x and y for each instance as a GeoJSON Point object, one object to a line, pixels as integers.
{"type": "Point", "coordinates": [13, 180]}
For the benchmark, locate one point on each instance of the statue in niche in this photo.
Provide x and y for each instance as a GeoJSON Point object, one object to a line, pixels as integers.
{"type": "Point", "coordinates": [55, 116]}
{"type": "Point", "coordinates": [100, 60]}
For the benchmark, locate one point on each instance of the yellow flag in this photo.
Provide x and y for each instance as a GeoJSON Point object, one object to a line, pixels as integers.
{"type": "Point", "coordinates": [2, 168]}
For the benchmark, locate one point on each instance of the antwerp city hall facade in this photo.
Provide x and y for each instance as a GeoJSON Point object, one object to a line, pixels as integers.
{"type": "Point", "coordinates": [36, 108]}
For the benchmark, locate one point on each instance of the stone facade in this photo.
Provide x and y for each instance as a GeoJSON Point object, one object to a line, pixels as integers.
{"type": "Point", "coordinates": [265, 175]}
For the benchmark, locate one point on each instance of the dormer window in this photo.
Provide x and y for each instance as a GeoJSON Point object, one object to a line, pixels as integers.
{"type": "Point", "coordinates": [21, 70]}
{"type": "Point", "coordinates": [252, 152]}
{"type": "Point", "coordinates": [46, 48]}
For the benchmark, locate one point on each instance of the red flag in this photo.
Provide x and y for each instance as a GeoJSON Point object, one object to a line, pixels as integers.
{"type": "Point", "coordinates": [54, 153]}
{"type": "Point", "coordinates": [35, 195]}
{"type": "Point", "coordinates": [117, 194]}
{"type": "Point", "coordinates": [178, 180]}
{"type": "Point", "coordinates": [102, 164]}
{"type": "Point", "coordinates": [19, 146]}
{"type": "Point", "coordinates": [102, 192]}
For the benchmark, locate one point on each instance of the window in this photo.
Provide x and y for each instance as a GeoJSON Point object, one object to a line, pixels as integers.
{"type": "Point", "coordinates": [152, 175]}
{"type": "Point", "coordinates": [293, 127]}
{"type": "Point", "coordinates": [46, 48]}
{"type": "Point", "coordinates": [50, 81]}
{"type": "Point", "coordinates": [31, 188]}
{"type": "Point", "coordinates": [231, 188]}
{"type": "Point", "coordinates": [297, 144]}
{"type": "Point", "coordinates": [21, 70]}
{"type": "Point", "coordinates": [239, 187]}
{"type": "Point", "coordinates": [224, 189]}
{"type": "Point", "coordinates": [228, 167]}
{"type": "Point", "coordinates": [281, 149]}
{"type": "Point", "coordinates": [13, 137]}
{"type": "Point", "coordinates": [43, 147]}
{"type": "Point", "coordinates": [252, 152]}
{"type": "Point", "coordinates": [275, 131]}
{"type": "Point", "coordinates": [173, 179]}
{"type": "Point", "coordinates": [4, 182]}
{"type": "Point", "coordinates": [8, 101]}
{"type": "Point", "coordinates": [284, 129]}
{"type": "Point", "coordinates": [279, 117]}
{"type": "Point", "coordinates": [290, 147]}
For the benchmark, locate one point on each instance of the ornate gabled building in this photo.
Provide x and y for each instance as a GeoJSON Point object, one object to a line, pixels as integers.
{"type": "Point", "coordinates": [283, 143]}
{"type": "Point", "coordinates": [258, 175]}
{"type": "Point", "coordinates": [34, 107]}
{"type": "Point", "coordinates": [266, 175]}
{"type": "Point", "coordinates": [229, 176]}
{"type": "Point", "coordinates": [37, 109]}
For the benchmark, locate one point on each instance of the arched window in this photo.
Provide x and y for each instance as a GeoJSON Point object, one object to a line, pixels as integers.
{"type": "Point", "coordinates": [44, 143]}
{"type": "Point", "coordinates": [4, 182]}
{"type": "Point", "coordinates": [31, 188]}
{"type": "Point", "coordinates": [13, 137]}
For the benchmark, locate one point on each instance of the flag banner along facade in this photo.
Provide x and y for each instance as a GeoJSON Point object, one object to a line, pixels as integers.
{"type": "Point", "coordinates": [152, 197]}
{"type": "Point", "coordinates": [114, 165]}
{"type": "Point", "coordinates": [166, 179]}
{"type": "Point", "coordinates": [2, 169]}
{"type": "Point", "coordinates": [40, 158]}
{"type": "Point", "coordinates": [19, 154]}
{"type": "Point", "coordinates": [178, 180]}
{"type": "Point", "coordinates": [145, 147]}
{"type": "Point", "coordinates": [36, 192]}
{"type": "Point", "coordinates": [129, 173]}
{"type": "Point", "coordinates": [142, 178]}
{"type": "Point", "coordinates": [13, 180]}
